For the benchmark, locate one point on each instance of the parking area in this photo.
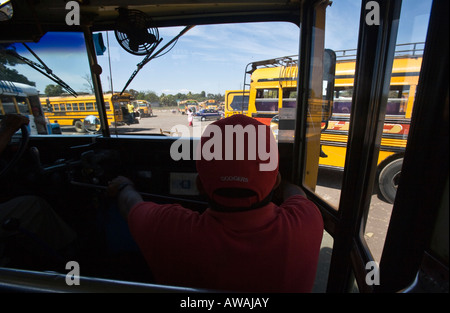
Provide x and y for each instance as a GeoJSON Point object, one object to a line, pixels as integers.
{"type": "Point", "coordinates": [164, 121]}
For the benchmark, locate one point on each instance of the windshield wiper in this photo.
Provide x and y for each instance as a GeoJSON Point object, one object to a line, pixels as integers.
{"type": "Point", "coordinates": [149, 57]}
{"type": "Point", "coordinates": [41, 68]}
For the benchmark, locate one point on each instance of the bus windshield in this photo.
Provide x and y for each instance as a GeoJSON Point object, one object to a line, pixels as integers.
{"type": "Point", "coordinates": [169, 84]}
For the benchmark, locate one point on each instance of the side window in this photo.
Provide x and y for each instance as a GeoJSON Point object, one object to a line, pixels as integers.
{"type": "Point", "coordinates": [22, 104]}
{"type": "Point", "coordinates": [8, 104]}
{"type": "Point", "coordinates": [75, 106]}
{"type": "Point", "coordinates": [396, 105]}
{"type": "Point", "coordinates": [266, 100]}
{"type": "Point", "coordinates": [397, 101]}
{"type": "Point", "coordinates": [81, 106]}
{"type": "Point", "coordinates": [335, 149]}
{"type": "Point", "coordinates": [289, 98]}
{"type": "Point", "coordinates": [89, 106]}
{"type": "Point", "coordinates": [239, 102]}
{"type": "Point", "coordinates": [342, 100]}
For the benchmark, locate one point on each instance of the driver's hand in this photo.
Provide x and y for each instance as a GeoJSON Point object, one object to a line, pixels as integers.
{"type": "Point", "coordinates": [12, 122]}
{"type": "Point", "coordinates": [118, 184]}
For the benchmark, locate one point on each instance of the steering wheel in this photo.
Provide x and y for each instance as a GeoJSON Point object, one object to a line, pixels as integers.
{"type": "Point", "coordinates": [20, 151]}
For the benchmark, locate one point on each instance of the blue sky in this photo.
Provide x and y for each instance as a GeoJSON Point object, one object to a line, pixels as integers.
{"type": "Point", "coordinates": [212, 58]}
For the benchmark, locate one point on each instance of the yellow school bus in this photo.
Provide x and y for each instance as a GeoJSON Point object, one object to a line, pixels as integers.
{"type": "Point", "coordinates": [71, 111]}
{"type": "Point", "coordinates": [274, 89]}
{"type": "Point", "coordinates": [184, 105]}
{"type": "Point", "coordinates": [209, 104]}
{"type": "Point", "coordinates": [236, 102]}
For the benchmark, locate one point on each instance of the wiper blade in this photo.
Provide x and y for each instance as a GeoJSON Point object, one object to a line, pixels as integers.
{"type": "Point", "coordinates": [42, 68]}
{"type": "Point", "coordinates": [150, 56]}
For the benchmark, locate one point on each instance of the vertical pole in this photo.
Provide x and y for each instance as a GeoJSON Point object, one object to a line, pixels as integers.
{"type": "Point", "coordinates": [96, 70]}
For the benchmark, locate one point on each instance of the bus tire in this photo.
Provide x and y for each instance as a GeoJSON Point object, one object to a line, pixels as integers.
{"type": "Point", "coordinates": [388, 179]}
{"type": "Point", "coordinates": [79, 127]}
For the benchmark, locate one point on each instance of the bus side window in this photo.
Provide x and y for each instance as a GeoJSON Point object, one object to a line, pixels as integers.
{"type": "Point", "coordinates": [89, 106]}
{"type": "Point", "coordinates": [62, 106]}
{"type": "Point", "coordinates": [75, 106]}
{"type": "Point", "coordinates": [82, 107]}
{"type": "Point", "coordinates": [22, 105]}
{"type": "Point", "coordinates": [239, 102]}
{"type": "Point", "coordinates": [343, 100]}
{"type": "Point", "coordinates": [107, 106]}
{"type": "Point", "coordinates": [289, 98]}
{"type": "Point", "coordinates": [55, 107]}
{"type": "Point", "coordinates": [8, 104]}
{"type": "Point", "coordinates": [69, 106]}
{"type": "Point", "coordinates": [397, 100]}
{"type": "Point", "coordinates": [266, 100]}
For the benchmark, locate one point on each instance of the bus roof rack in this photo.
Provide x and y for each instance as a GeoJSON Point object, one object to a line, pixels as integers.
{"type": "Point", "coordinates": [414, 49]}
{"type": "Point", "coordinates": [281, 61]}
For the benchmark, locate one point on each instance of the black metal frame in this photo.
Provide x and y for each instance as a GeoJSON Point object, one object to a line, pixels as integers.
{"type": "Point", "coordinates": [415, 208]}
{"type": "Point", "coordinates": [425, 169]}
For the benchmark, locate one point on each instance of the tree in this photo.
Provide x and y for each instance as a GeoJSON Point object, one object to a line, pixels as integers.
{"type": "Point", "coordinates": [88, 85]}
{"type": "Point", "coordinates": [7, 58]}
{"type": "Point", "coordinates": [151, 97]}
{"type": "Point", "coordinates": [53, 90]}
{"type": "Point", "coordinates": [133, 93]}
{"type": "Point", "coordinates": [168, 100]}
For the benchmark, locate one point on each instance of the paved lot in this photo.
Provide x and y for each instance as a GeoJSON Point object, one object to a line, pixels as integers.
{"type": "Point", "coordinates": [328, 187]}
{"type": "Point", "coordinates": [165, 121]}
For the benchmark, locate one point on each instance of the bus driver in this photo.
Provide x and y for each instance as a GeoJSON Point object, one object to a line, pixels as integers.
{"type": "Point", "coordinates": [243, 242]}
{"type": "Point", "coordinates": [38, 236]}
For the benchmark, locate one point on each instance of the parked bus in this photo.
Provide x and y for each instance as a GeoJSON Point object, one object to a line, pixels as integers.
{"type": "Point", "coordinates": [184, 105]}
{"type": "Point", "coordinates": [143, 107]}
{"type": "Point", "coordinates": [274, 89]}
{"type": "Point", "coordinates": [210, 104]}
{"type": "Point", "coordinates": [23, 99]}
{"type": "Point", "coordinates": [236, 102]}
{"type": "Point", "coordinates": [71, 111]}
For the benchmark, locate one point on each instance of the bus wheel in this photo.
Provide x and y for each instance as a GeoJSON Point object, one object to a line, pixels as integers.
{"type": "Point", "coordinates": [79, 127]}
{"type": "Point", "coordinates": [388, 179]}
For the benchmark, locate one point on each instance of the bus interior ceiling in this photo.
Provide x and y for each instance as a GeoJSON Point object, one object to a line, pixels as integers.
{"type": "Point", "coordinates": [72, 172]}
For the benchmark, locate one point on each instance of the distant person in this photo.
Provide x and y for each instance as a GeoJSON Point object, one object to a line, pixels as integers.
{"type": "Point", "coordinates": [190, 117]}
{"type": "Point", "coordinates": [131, 115]}
{"type": "Point", "coordinates": [243, 242]}
{"type": "Point", "coordinates": [39, 121]}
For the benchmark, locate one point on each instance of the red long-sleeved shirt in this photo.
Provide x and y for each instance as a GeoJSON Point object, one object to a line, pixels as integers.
{"type": "Point", "coordinates": [270, 249]}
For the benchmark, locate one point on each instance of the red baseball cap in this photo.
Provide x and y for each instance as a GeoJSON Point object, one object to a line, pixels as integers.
{"type": "Point", "coordinates": [237, 152]}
